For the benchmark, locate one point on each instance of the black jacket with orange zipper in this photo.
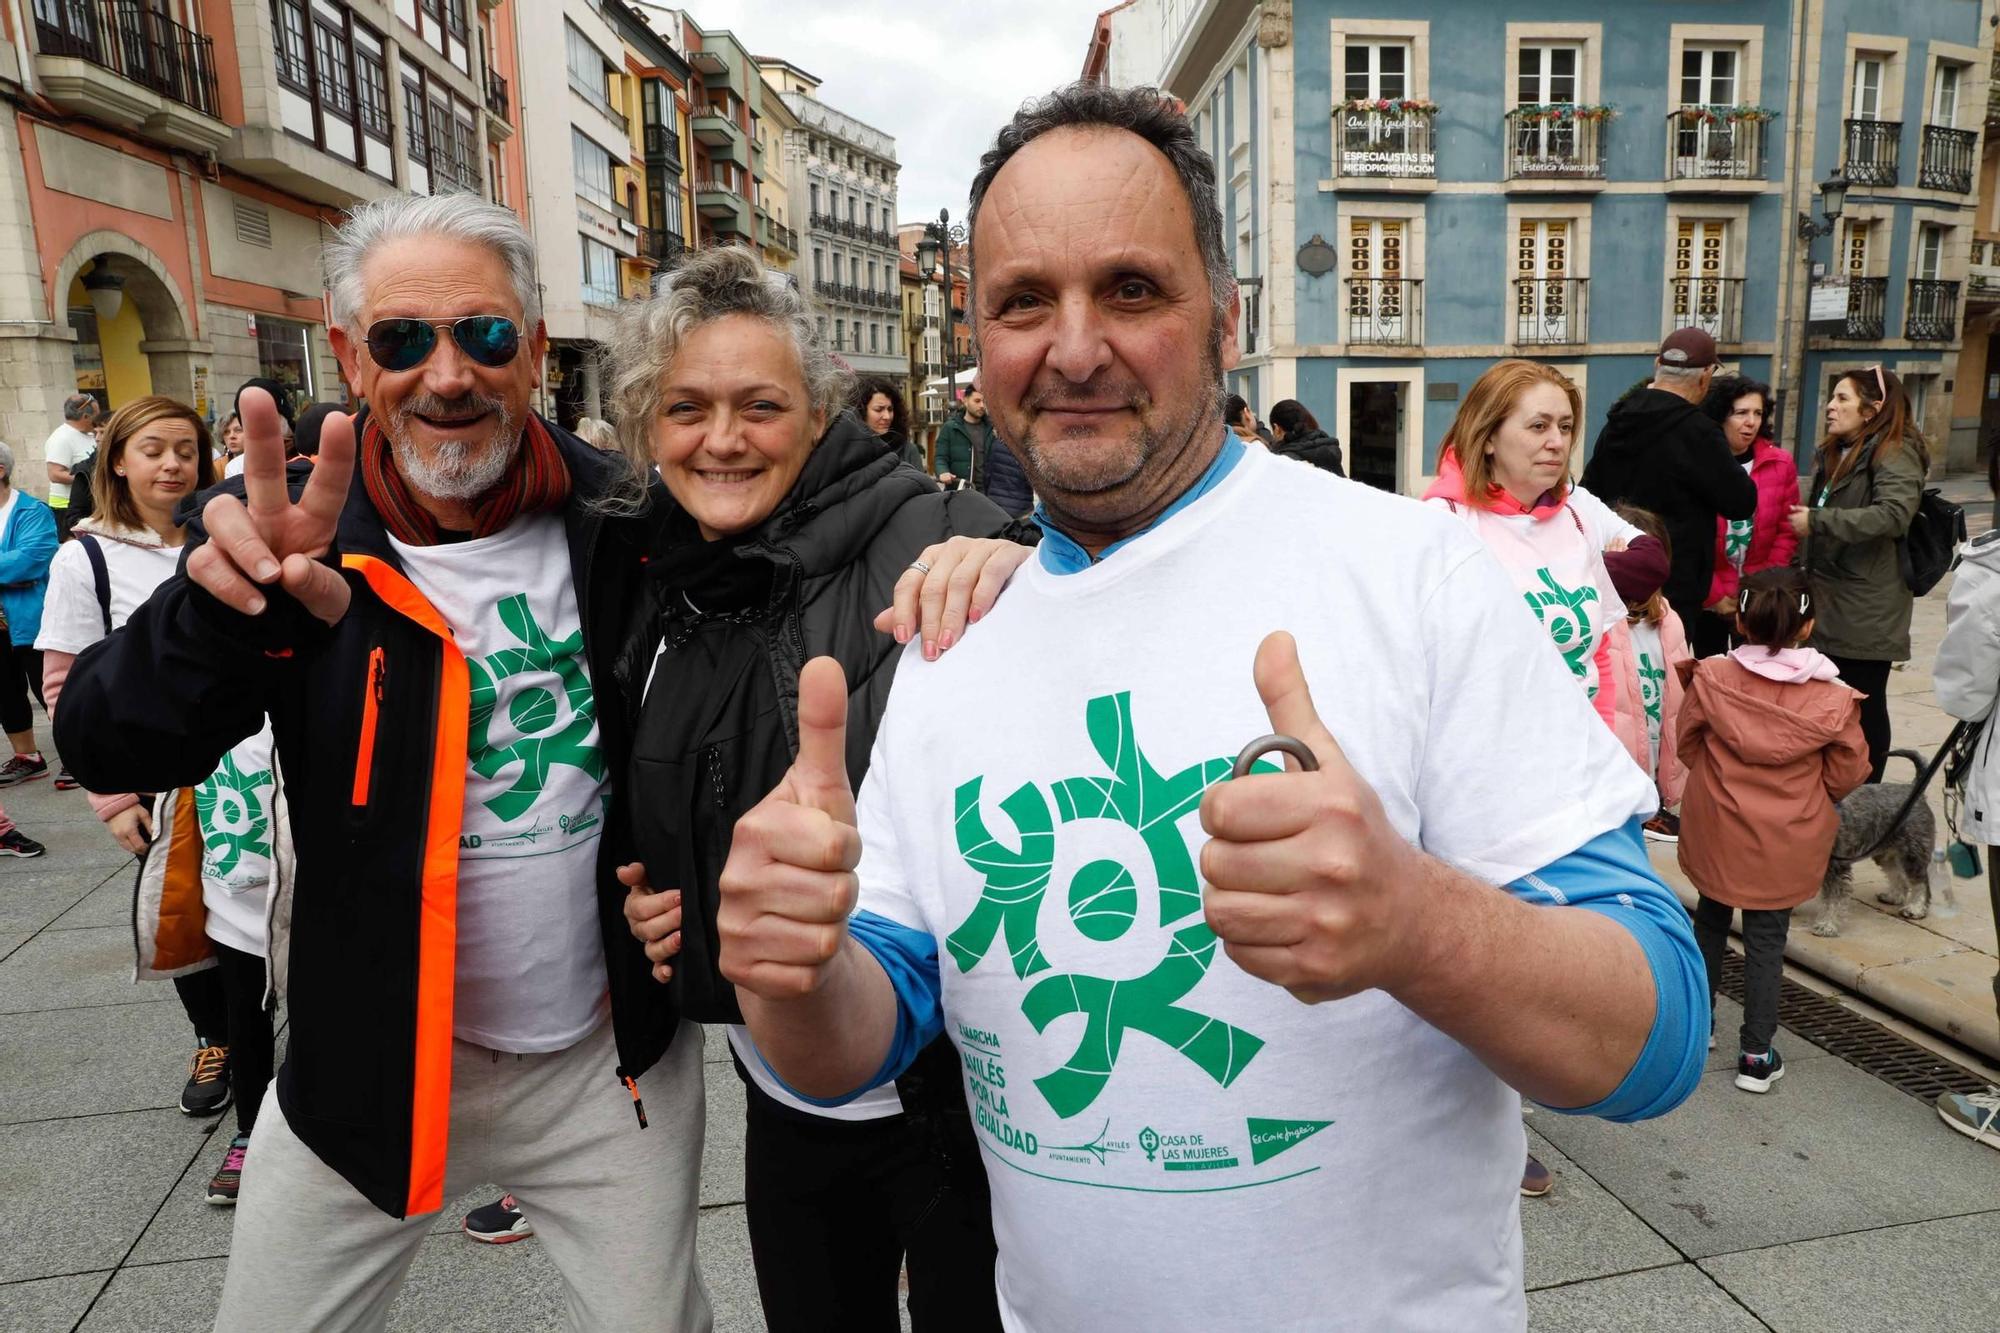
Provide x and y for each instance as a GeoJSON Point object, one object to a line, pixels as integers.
{"type": "Point", "coordinates": [370, 716]}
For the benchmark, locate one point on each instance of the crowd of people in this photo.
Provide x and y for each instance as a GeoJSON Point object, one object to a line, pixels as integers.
{"type": "Point", "coordinates": [509, 756]}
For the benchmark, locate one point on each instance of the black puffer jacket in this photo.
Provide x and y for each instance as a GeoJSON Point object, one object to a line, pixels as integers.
{"type": "Point", "coordinates": [723, 633]}
{"type": "Point", "coordinates": [1313, 446]}
{"type": "Point", "coordinates": [1001, 480]}
{"type": "Point", "coordinates": [1660, 452]}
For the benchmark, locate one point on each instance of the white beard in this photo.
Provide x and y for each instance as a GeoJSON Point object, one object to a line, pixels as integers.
{"type": "Point", "coordinates": [453, 470]}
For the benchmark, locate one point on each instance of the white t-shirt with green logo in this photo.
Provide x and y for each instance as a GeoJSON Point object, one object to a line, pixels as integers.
{"type": "Point", "coordinates": [233, 810]}
{"type": "Point", "coordinates": [1171, 1142]}
{"type": "Point", "coordinates": [530, 959]}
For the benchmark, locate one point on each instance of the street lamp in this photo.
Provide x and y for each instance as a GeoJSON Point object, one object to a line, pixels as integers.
{"type": "Point", "coordinates": [1832, 199]}
{"type": "Point", "coordinates": [934, 246]}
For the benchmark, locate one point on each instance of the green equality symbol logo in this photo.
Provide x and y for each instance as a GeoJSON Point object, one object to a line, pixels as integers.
{"type": "Point", "coordinates": [1103, 902]}
{"type": "Point", "coordinates": [546, 740]}
{"type": "Point", "coordinates": [234, 823]}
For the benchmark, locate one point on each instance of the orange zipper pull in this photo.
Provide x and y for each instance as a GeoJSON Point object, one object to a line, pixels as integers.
{"type": "Point", "coordinates": [638, 1107]}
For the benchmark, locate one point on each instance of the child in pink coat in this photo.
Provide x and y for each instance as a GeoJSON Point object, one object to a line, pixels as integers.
{"type": "Point", "coordinates": [1644, 650]}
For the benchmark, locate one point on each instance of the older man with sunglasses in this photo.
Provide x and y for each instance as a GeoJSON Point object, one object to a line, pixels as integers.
{"type": "Point", "coordinates": [430, 620]}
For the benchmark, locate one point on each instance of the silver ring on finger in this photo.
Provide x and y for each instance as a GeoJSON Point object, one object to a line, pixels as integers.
{"type": "Point", "coordinates": [920, 567]}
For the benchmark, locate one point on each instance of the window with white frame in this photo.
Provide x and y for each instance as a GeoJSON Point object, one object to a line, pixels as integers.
{"type": "Point", "coordinates": [1550, 74]}
{"type": "Point", "coordinates": [1865, 101]}
{"type": "Point", "coordinates": [592, 168]}
{"type": "Point", "coordinates": [600, 272]}
{"type": "Point", "coordinates": [1945, 84]}
{"type": "Point", "coordinates": [1709, 75]}
{"type": "Point", "coordinates": [1930, 252]}
{"type": "Point", "coordinates": [1377, 70]}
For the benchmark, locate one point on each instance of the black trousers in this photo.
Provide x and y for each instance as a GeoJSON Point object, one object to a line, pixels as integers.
{"type": "Point", "coordinates": [1709, 635]}
{"type": "Point", "coordinates": [834, 1207]}
{"type": "Point", "coordinates": [1763, 964]}
{"type": "Point", "coordinates": [20, 682]}
{"type": "Point", "coordinates": [1871, 677]}
{"type": "Point", "coordinates": [226, 1005]}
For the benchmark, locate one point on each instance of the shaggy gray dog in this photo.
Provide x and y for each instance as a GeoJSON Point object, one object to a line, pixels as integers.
{"type": "Point", "coordinates": [1904, 853]}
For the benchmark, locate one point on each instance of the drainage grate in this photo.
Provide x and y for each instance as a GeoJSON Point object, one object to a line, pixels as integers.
{"type": "Point", "coordinates": [1861, 1042]}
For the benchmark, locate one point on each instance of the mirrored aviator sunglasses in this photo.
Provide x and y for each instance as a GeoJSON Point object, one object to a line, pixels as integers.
{"type": "Point", "coordinates": [402, 344]}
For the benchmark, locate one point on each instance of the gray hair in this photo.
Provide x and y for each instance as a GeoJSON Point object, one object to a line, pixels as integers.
{"type": "Point", "coordinates": [7, 460]}
{"type": "Point", "coordinates": [709, 285]}
{"type": "Point", "coordinates": [1681, 377]}
{"type": "Point", "coordinates": [78, 406]}
{"type": "Point", "coordinates": [1146, 112]}
{"type": "Point", "coordinates": [457, 216]}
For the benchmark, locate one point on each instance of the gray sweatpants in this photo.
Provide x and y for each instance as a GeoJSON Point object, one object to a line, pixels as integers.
{"type": "Point", "coordinates": [613, 1204]}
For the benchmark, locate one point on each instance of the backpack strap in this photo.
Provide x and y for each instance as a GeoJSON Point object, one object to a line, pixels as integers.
{"type": "Point", "coordinates": [100, 575]}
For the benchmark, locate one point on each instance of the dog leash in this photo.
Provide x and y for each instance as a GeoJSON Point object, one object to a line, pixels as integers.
{"type": "Point", "coordinates": [1965, 734]}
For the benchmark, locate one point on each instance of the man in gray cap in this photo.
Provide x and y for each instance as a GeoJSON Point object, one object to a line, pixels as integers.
{"type": "Point", "coordinates": [1659, 451]}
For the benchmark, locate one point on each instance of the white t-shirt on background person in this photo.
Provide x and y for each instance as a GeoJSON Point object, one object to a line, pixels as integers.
{"type": "Point", "coordinates": [66, 447]}
{"type": "Point", "coordinates": [530, 974]}
{"type": "Point", "coordinates": [136, 563]}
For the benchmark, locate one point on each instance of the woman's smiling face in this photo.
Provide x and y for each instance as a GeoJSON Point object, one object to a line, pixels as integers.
{"type": "Point", "coordinates": [736, 424]}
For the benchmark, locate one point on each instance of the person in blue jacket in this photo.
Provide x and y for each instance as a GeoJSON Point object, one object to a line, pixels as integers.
{"type": "Point", "coordinates": [27, 545]}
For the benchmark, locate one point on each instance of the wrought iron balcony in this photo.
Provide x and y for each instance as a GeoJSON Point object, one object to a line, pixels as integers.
{"type": "Point", "coordinates": [1871, 151]}
{"type": "Point", "coordinates": [661, 246]}
{"type": "Point", "coordinates": [496, 94]}
{"type": "Point", "coordinates": [1867, 302]}
{"type": "Point", "coordinates": [1710, 143]}
{"type": "Point", "coordinates": [1950, 157]}
{"type": "Point", "coordinates": [1714, 305]}
{"type": "Point", "coordinates": [1548, 144]}
{"type": "Point", "coordinates": [1931, 312]}
{"type": "Point", "coordinates": [662, 145]}
{"type": "Point", "coordinates": [1397, 144]}
{"type": "Point", "coordinates": [1385, 312]}
{"type": "Point", "coordinates": [132, 41]}
{"type": "Point", "coordinates": [1551, 312]}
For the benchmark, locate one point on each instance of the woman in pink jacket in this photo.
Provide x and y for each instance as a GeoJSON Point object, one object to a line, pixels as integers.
{"type": "Point", "coordinates": [1742, 407]}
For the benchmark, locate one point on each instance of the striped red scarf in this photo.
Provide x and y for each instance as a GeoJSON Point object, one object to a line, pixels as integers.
{"type": "Point", "coordinates": [538, 479]}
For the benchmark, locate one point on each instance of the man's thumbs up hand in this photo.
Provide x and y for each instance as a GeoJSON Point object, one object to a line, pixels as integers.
{"type": "Point", "coordinates": [789, 885]}
{"type": "Point", "coordinates": [1304, 871]}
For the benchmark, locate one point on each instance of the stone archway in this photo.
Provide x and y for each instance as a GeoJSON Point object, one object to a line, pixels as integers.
{"type": "Point", "coordinates": [171, 348]}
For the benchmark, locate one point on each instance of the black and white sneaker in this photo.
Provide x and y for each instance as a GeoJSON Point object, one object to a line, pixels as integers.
{"type": "Point", "coordinates": [1756, 1073]}
{"type": "Point", "coordinates": [498, 1223]}
{"type": "Point", "coordinates": [21, 767]}
{"type": "Point", "coordinates": [16, 843]}
{"type": "Point", "coordinates": [207, 1090]}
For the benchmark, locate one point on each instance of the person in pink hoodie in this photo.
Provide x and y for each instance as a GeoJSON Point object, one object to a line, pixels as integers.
{"type": "Point", "coordinates": [1504, 470]}
{"type": "Point", "coordinates": [1742, 407]}
{"type": "Point", "coordinates": [1772, 740]}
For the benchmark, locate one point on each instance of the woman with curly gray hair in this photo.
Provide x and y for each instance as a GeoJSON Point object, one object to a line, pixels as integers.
{"type": "Point", "coordinates": [790, 524]}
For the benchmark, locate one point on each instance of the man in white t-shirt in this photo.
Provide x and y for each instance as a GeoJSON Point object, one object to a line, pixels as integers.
{"type": "Point", "coordinates": [429, 617]}
{"type": "Point", "coordinates": [1243, 1053]}
{"type": "Point", "coordinates": [68, 445]}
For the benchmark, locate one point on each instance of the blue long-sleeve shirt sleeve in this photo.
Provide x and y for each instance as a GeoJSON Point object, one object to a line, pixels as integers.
{"type": "Point", "coordinates": [1611, 874]}
{"type": "Point", "coordinates": [910, 957]}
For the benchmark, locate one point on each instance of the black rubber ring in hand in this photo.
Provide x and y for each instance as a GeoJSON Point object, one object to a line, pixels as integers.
{"type": "Point", "coordinates": [1264, 745]}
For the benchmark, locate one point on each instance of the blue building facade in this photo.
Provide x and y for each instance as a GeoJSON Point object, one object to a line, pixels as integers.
{"type": "Point", "coordinates": [1416, 191]}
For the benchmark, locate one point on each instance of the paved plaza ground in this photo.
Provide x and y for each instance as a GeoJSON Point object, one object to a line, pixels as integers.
{"type": "Point", "coordinates": [1834, 1203]}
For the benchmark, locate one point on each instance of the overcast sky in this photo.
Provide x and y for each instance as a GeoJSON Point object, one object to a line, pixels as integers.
{"type": "Point", "coordinates": [941, 76]}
